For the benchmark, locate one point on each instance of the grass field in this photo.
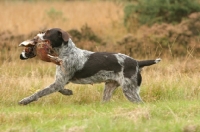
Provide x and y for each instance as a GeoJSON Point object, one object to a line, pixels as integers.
{"type": "Point", "coordinates": [171, 99]}
{"type": "Point", "coordinates": [170, 89]}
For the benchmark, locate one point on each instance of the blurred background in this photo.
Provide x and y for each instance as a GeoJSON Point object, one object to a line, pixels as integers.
{"type": "Point", "coordinates": [139, 28]}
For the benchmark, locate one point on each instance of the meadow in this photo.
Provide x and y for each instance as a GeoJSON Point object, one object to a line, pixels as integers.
{"type": "Point", "coordinates": [170, 90]}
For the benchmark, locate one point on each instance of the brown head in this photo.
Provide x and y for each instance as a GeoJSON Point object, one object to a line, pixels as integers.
{"type": "Point", "coordinates": [56, 36]}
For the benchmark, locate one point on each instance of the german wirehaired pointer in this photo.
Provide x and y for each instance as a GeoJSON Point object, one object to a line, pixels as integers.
{"type": "Point", "coordinates": [87, 67]}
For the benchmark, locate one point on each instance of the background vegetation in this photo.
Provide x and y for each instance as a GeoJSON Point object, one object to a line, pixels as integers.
{"type": "Point", "coordinates": [159, 11]}
{"type": "Point", "coordinates": [170, 89]}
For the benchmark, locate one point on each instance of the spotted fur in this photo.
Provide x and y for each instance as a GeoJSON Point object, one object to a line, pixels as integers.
{"type": "Point", "coordinates": [85, 67]}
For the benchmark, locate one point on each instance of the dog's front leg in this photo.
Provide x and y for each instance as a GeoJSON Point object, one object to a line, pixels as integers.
{"type": "Point", "coordinates": [48, 90]}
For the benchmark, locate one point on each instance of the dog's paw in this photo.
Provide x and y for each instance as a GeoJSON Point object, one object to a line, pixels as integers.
{"type": "Point", "coordinates": [25, 101]}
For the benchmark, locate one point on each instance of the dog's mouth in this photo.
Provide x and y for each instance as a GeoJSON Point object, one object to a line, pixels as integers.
{"type": "Point", "coordinates": [28, 52]}
{"type": "Point", "coordinates": [40, 47]}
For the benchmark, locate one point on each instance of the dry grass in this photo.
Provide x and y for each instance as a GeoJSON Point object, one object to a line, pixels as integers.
{"type": "Point", "coordinates": [25, 17]}
{"type": "Point", "coordinates": [172, 79]}
{"type": "Point", "coordinates": [168, 80]}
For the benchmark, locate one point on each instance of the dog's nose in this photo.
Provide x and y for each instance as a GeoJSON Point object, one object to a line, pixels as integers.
{"type": "Point", "coordinates": [23, 56]}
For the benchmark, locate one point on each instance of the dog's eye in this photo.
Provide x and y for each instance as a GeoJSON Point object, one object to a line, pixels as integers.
{"type": "Point", "coordinates": [47, 32]}
{"type": "Point", "coordinates": [41, 32]}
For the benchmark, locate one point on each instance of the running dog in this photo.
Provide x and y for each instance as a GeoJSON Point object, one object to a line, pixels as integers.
{"type": "Point", "coordinates": [86, 67]}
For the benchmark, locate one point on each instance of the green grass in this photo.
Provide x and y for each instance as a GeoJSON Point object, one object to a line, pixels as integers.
{"type": "Point", "coordinates": [117, 116]}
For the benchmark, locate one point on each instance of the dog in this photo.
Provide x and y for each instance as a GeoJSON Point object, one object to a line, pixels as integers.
{"type": "Point", "coordinates": [86, 67]}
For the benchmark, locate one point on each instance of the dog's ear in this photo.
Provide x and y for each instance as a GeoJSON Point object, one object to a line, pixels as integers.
{"type": "Point", "coordinates": [65, 36]}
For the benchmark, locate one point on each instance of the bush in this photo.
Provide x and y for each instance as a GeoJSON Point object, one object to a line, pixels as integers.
{"type": "Point", "coordinates": [158, 11]}
{"type": "Point", "coordinates": [165, 39]}
{"type": "Point", "coordinates": [86, 34]}
{"type": "Point", "coordinates": [86, 38]}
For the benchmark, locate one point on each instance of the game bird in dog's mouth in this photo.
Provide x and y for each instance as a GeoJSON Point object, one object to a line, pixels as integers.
{"type": "Point", "coordinates": [84, 67]}
{"type": "Point", "coordinates": [41, 48]}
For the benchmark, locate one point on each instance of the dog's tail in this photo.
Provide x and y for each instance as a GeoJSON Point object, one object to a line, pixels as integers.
{"type": "Point", "coordinates": [148, 62]}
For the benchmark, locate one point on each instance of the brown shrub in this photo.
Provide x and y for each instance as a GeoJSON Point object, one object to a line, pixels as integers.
{"type": "Point", "coordinates": [165, 39]}
{"type": "Point", "coordinates": [86, 38]}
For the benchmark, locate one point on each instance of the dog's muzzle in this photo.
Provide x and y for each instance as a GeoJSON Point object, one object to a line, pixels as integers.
{"type": "Point", "coordinates": [23, 56]}
{"type": "Point", "coordinates": [29, 52]}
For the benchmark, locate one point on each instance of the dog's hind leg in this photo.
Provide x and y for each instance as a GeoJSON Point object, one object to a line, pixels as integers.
{"type": "Point", "coordinates": [132, 95]}
{"type": "Point", "coordinates": [109, 89]}
{"type": "Point", "coordinates": [131, 91]}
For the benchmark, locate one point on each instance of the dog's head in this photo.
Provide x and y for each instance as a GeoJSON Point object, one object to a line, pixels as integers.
{"type": "Point", "coordinates": [56, 36]}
